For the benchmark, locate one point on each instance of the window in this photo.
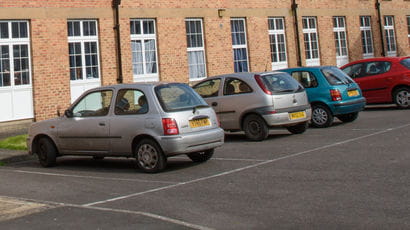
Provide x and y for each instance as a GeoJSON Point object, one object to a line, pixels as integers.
{"type": "Point", "coordinates": [144, 50]}
{"type": "Point", "coordinates": [14, 53]}
{"type": "Point", "coordinates": [367, 37]}
{"type": "Point", "coordinates": [130, 101]}
{"type": "Point", "coordinates": [377, 67]}
{"type": "Point", "coordinates": [277, 43]}
{"type": "Point", "coordinates": [94, 104]}
{"type": "Point", "coordinates": [307, 79]}
{"type": "Point", "coordinates": [196, 49]}
{"type": "Point", "coordinates": [208, 88]}
{"type": "Point", "coordinates": [339, 30]}
{"type": "Point", "coordinates": [236, 86]}
{"type": "Point", "coordinates": [408, 28]}
{"type": "Point", "coordinates": [240, 53]}
{"type": "Point", "coordinates": [311, 41]}
{"type": "Point", "coordinates": [390, 36]}
{"type": "Point", "coordinates": [83, 50]}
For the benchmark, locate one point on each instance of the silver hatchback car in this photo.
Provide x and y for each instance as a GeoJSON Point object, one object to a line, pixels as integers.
{"type": "Point", "coordinates": [255, 102]}
{"type": "Point", "coordinates": [148, 121]}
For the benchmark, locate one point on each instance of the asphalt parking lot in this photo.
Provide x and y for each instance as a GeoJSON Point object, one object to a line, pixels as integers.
{"type": "Point", "coordinates": [349, 176]}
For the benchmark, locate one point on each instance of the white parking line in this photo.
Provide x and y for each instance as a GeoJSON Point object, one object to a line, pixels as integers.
{"type": "Point", "coordinates": [88, 177]}
{"type": "Point", "coordinates": [147, 214]}
{"type": "Point", "coordinates": [243, 168]}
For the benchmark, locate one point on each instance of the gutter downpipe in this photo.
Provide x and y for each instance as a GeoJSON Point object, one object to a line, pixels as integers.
{"type": "Point", "coordinates": [379, 18]}
{"type": "Point", "coordinates": [295, 19]}
{"type": "Point", "coordinates": [115, 6]}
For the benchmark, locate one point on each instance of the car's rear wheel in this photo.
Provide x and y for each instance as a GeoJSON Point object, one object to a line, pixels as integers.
{"type": "Point", "coordinates": [298, 129]}
{"type": "Point", "coordinates": [201, 156]}
{"type": "Point", "coordinates": [321, 116]}
{"type": "Point", "coordinates": [255, 128]}
{"type": "Point", "coordinates": [150, 157]}
{"type": "Point", "coordinates": [46, 152]}
{"type": "Point", "coordinates": [348, 117]}
{"type": "Point", "coordinates": [98, 157]}
{"type": "Point", "coordinates": [401, 97]}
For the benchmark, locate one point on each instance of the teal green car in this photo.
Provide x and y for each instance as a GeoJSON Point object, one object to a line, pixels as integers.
{"type": "Point", "coordinates": [330, 92]}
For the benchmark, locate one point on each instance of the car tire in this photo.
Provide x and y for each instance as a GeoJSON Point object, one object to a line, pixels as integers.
{"type": "Point", "coordinates": [298, 129]}
{"type": "Point", "coordinates": [401, 97]}
{"type": "Point", "coordinates": [321, 116]}
{"type": "Point", "coordinates": [98, 157]}
{"type": "Point", "coordinates": [348, 117]}
{"type": "Point", "coordinates": [255, 128]}
{"type": "Point", "coordinates": [201, 156]}
{"type": "Point", "coordinates": [150, 157]}
{"type": "Point", "coordinates": [46, 152]}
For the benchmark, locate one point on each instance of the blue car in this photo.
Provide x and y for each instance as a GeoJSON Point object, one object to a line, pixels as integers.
{"type": "Point", "coordinates": [331, 93]}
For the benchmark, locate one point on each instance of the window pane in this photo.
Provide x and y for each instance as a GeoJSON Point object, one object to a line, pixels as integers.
{"type": "Point", "coordinates": [137, 58]}
{"type": "Point", "coordinates": [73, 28]}
{"type": "Point", "coordinates": [150, 56]}
{"type": "Point", "coordinates": [196, 64]}
{"type": "Point", "coordinates": [148, 27]}
{"type": "Point", "coordinates": [4, 66]}
{"type": "Point", "coordinates": [94, 104]}
{"type": "Point", "coordinates": [4, 30]}
{"type": "Point", "coordinates": [135, 27]}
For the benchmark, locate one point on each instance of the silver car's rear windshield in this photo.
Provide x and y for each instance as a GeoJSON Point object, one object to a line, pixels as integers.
{"type": "Point", "coordinates": [281, 83]}
{"type": "Point", "coordinates": [406, 63]}
{"type": "Point", "coordinates": [335, 76]}
{"type": "Point", "coordinates": [178, 97]}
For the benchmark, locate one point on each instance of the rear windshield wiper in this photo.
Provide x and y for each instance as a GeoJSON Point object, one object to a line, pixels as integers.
{"type": "Point", "coordinates": [198, 107]}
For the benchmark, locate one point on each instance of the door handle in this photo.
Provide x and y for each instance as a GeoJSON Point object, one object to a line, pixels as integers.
{"type": "Point", "coordinates": [101, 124]}
{"type": "Point", "coordinates": [214, 103]}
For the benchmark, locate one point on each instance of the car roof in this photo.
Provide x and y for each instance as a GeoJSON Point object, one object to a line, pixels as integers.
{"type": "Point", "coordinates": [391, 59]}
{"type": "Point", "coordinates": [309, 67]}
{"type": "Point", "coordinates": [134, 85]}
{"type": "Point", "coordinates": [243, 74]}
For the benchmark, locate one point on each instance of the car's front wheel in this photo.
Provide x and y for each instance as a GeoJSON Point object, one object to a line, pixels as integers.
{"type": "Point", "coordinates": [201, 156]}
{"type": "Point", "coordinates": [298, 129]}
{"type": "Point", "coordinates": [46, 152]}
{"type": "Point", "coordinates": [322, 117]}
{"type": "Point", "coordinates": [150, 157]}
{"type": "Point", "coordinates": [401, 97]}
{"type": "Point", "coordinates": [255, 128]}
{"type": "Point", "coordinates": [348, 117]}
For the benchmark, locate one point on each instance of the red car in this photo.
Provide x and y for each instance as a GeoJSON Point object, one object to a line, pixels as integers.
{"type": "Point", "coordinates": [383, 79]}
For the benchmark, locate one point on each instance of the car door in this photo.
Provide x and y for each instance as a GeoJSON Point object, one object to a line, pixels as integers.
{"type": "Point", "coordinates": [85, 127]}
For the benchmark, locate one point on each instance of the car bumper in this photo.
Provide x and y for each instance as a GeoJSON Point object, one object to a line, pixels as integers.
{"type": "Point", "coordinates": [351, 106]}
{"type": "Point", "coordinates": [282, 118]}
{"type": "Point", "coordinates": [192, 142]}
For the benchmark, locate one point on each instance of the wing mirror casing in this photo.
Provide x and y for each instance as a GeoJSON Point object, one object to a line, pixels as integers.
{"type": "Point", "coordinates": [68, 113]}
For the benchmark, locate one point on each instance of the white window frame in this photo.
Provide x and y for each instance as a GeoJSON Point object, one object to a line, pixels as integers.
{"type": "Point", "coordinates": [78, 86]}
{"type": "Point", "coordinates": [339, 30]}
{"type": "Point", "coordinates": [311, 30]}
{"type": "Point", "coordinates": [144, 77]}
{"type": "Point", "coordinates": [276, 32]}
{"type": "Point", "coordinates": [244, 45]}
{"type": "Point", "coordinates": [367, 36]}
{"type": "Point", "coordinates": [197, 49]}
{"type": "Point", "coordinates": [390, 36]}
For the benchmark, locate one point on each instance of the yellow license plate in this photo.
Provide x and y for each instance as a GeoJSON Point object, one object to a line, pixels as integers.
{"type": "Point", "coordinates": [297, 115]}
{"type": "Point", "coordinates": [352, 93]}
{"type": "Point", "coordinates": [199, 122]}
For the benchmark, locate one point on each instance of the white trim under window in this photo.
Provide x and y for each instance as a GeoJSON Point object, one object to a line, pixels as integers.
{"type": "Point", "coordinates": [144, 50]}
{"type": "Point", "coordinates": [367, 36]}
{"type": "Point", "coordinates": [195, 48]}
{"type": "Point", "coordinates": [84, 56]}
{"type": "Point", "coordinates": [277, 41]}
{"type": "Point", "coordinates": [339, 31]}
{"type": "Point", "coordinates": [390, 36]}
{"type": "Point", "coordinates": [239, 45]}
{"type": "Point", "coordinates": [311, 40]}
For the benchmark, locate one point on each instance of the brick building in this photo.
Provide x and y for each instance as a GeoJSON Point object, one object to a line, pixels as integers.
{"type": "Point", "coordinates": [51, 51]}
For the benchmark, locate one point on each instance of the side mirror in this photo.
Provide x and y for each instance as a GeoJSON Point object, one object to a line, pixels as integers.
{"type": "Point", "coordinates": [68, 113]}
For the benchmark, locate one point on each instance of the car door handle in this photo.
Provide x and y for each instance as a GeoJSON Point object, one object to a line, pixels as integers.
{"type": "Point", "coordinates": [101, 124]}
{"type": "Point", "coordinates": [214, 103]}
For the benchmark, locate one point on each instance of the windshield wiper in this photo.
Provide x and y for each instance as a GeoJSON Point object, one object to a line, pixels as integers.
{"type": "Point", "coordinates": [198, 107]}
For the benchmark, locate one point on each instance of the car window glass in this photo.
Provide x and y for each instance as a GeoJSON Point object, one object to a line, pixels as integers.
{"type": "Point", "coordinates": [281, 83]}
{"type": "Point", "coordinates": [355, 70]}
{"type": "Point", "coordinates": [307, 79]}
{"type": "Point", "coordinates": [208, 88]}
{"type": "Point", "coordinates": [178, 97]}
{"type": "Point", "coordinates": [130, 101]}
{"type": "Point", "coordinates": [335, 76]}
{"type": "Point", "coordinates": [377, 67]}
{"type": "Point", "coordinates": [236, 86]}
{"type": "Point", "coordinates": [93, 104]}
{"type": "Point", "coordinates": [406, 63]}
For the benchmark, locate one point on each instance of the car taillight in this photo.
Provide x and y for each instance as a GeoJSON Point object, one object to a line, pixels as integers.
{"type": "Point", "coordinates": [170, 126]}
{"type": "Point", "coordinates": [335, 95]}
{"type": "Point", "coordinates": [258, 79]}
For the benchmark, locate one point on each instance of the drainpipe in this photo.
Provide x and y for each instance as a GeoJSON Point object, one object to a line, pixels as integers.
{"type": "Point", "coordinates": [115, 6]}
{"type": "Point", "coordinates": [379, 18]}
{"type": "Point", "coordinates": [295, 19]}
